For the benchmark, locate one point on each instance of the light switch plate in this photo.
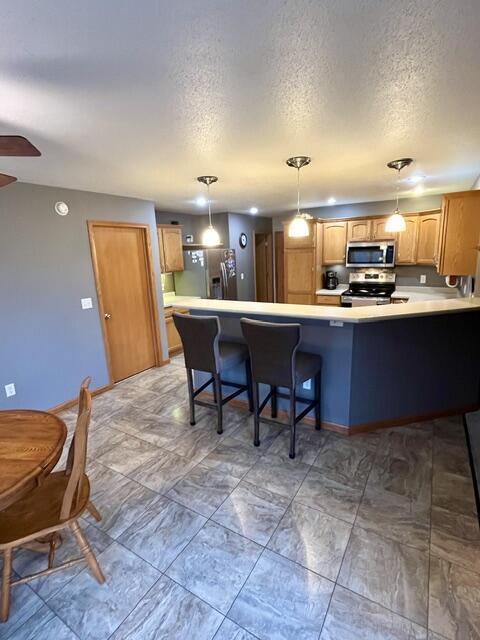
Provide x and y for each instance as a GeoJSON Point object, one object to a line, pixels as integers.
{"type": "Point", "coordinates": [242, 276]}
{"type": "Point", "coordinates": [86, 303]}
{"type": "Point", "coordinates": [423, 278]}
{"type": "Point", "coordinates": [10, 390]}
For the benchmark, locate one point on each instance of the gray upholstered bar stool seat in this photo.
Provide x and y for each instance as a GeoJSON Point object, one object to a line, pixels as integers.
{"type": "Point", "coordinates": [204, 351]}
{"type": "Point", "coordinates": [276, 361]}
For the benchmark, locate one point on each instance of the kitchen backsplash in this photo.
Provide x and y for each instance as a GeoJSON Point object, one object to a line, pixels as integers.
{"type": "Point", "coordinates": [168, 283]}
{"type": "Point", "coordinates": [407, 276]}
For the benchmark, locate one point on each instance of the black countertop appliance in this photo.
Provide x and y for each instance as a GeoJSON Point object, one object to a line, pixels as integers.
{"type": "Point", "coordinates": [331, 280]}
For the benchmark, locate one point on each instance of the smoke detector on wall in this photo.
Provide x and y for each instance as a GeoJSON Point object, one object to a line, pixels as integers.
{"type": "Point", "coordinates": [61, 208]}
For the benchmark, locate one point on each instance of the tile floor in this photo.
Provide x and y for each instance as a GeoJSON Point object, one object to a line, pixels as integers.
{"type": "Point", "coordinates": [204, 536]}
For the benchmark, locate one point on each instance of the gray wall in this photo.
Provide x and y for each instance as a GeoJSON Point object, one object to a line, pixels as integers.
{"type": "Point", "coordinates": [48, 343]}
{"type": "Point", "coordinates": [238, 223]}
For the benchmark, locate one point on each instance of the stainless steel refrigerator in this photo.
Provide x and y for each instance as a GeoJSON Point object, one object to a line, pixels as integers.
{"type": "Point", "coordinates": [209, 273]}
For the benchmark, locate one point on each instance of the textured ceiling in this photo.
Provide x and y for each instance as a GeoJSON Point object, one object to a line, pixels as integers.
{"type": "Point", "coordinates": [138, 98]}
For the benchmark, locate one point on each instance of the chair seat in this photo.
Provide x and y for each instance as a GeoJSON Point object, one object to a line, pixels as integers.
{"type": "Point", "coordinates": [40, 509]}
{"type": "Point", "coordinates": [307, 365]}
{"type": "Point", "coordinates": [231, 354]}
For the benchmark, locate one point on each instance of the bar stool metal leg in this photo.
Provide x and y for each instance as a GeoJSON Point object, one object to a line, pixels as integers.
{"type": "Point", "coordinates": [217, 385]}
{"type": "Point", "coordinates": [273, 402]}
{"type": "Point", "coordinates": [248, 374]}
{"type": "Point", "coordinates": [293, 403]}
{"type": "Point", "coordinates": [190, 396]}
{"type": "Point", "coordinates": [256, 417]}
{"type": "Point", "coordinates": [318, 420]}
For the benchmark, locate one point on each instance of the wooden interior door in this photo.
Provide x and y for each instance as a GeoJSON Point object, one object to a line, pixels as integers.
{"type": "Point", "coordinates": [263, 267]}
{"type": "Point", "coordinates": [279, 266]}
{"type": "Point", "coordinates": [122, 263]}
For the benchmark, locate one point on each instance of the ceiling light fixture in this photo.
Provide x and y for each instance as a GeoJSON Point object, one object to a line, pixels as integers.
{"type": "Point", "coordinates": [298, 227]}
{"type": "Point", "coordinates": [201, 201]}
{"type": "Point", "coordinates": [332, 200]}
{"type": "Point", "coordinates": [210, 236]}
{"type": "Point", "coordinates": [396, 222]}
{"type": "Point", "coordinates": [253, 210]}
{"type": "Point", "coordinates": [419, 189]}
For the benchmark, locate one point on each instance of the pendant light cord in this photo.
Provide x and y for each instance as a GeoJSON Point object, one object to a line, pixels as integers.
{"type": "Point", "coordinates": [398, 189]}
{"type": "Point", "coordinates": [298, 191]}
{"type": "Point", "coordinates": [209, 208]}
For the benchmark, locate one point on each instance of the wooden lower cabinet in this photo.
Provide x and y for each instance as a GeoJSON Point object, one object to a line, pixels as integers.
{"type": "Point", "coordinates": [333, 301]}
{"type": "Point", "coordinates": [173, 337]}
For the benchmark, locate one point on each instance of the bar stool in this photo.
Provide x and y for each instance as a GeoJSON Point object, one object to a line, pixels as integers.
{"type": "Point", "coordinates": [276, 361]}
{"type": "Point", "coordinates": [204, 351]}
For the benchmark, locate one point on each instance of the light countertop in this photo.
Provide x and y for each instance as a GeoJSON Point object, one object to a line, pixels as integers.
{"type": "Point", "coordinates": [332, 292]}
{"type": "Point", "coordinates": [421, 294]}
{"type": "Point", "coordinates": [373, 313]}
{"type": "Point", "coordinates": [171, 299]}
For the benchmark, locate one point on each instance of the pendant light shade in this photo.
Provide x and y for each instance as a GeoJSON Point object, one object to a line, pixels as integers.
{"type": "Point", "coordinates": [298, 227]}
{"type": "Point", "coordinates": [396, 222]}
{"type": "Point", "coordinates": [210, 237]}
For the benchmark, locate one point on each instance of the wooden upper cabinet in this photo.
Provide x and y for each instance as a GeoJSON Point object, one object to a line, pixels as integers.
{"type": "Point", "coordinates": [334, 242]}
{"type": "Point", "coordinates": [300, 243]}
{"type": "Point", "coordinates": [407, 242]}
{"type": "Point", "coordinates": [379, 232]}
{"type": "Point", "coordinates": [428, 230]}
{"type": "Point", "coordinates": [359, 230]}
{"type": "Point", "coordinates": [171, 252]}
{"type": "Point", "coordinates": [460, 233]}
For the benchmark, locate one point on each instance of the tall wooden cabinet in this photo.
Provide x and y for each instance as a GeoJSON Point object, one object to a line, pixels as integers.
{"type": "Point", "coordinates": [170, 245]}
{"type": "Point", "coordinates": [459, 235]}
{"type": "Point", "coordinates": [302, 265]}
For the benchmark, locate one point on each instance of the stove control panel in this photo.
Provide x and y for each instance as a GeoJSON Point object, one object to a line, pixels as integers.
{"type": "Point", "coordinates": [373, 277]}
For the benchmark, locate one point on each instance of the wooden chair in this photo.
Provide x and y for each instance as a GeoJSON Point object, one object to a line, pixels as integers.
{"type": "Point", "coordinates": [56, 504]}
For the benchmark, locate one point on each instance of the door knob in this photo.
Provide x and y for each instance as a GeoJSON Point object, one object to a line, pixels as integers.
{"type": "Point", "coordinates": [107, 316]}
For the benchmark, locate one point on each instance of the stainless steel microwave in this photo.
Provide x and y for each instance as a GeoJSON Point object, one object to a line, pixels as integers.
{"type": "Point", "coordinates": [371, 254]}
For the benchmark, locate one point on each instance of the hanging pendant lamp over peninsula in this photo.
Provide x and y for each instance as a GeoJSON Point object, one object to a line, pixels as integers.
{"type": "Point", "coordinates": [396, 222]}
{"type": "Point", "coordinates": [298, 227]}
{"type": "Point", "coordinates": [210, 237]}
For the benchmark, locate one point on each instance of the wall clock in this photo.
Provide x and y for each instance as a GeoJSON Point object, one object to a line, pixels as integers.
{"type": "Point", "coordinates": [243, 240]}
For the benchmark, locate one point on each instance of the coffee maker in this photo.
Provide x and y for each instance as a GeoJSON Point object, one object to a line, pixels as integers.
{"type": "Point", "coordinates": [331, 280]}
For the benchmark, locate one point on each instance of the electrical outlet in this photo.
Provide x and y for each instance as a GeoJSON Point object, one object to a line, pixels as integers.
{"type": "Point", "coordinates": [423, 279]}
{"type": "Point", "coordinates": [307, 385]}
{"type": "Point", "coordinates": [10, 390]}
{"type": "Point", "coordinates": [242, 276]}
{"type": "Point", "coordinates": [86, 303]}
{"type": "Point", "coordinates": [336, 323]}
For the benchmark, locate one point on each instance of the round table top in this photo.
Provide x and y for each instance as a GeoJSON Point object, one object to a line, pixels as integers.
{"type": "Point", "coordinates": [31, 443]}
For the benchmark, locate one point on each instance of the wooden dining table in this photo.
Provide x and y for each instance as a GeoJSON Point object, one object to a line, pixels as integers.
{"type": "Point", "coordinates": [31, 444]}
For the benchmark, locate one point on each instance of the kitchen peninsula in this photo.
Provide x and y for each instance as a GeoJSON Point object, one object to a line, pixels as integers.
{"type": "Point", "coordinates": [382, 365]}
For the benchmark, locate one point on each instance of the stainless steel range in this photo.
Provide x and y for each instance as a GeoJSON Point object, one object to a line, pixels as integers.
{"type": "Point", "coordinates": [369, 287]}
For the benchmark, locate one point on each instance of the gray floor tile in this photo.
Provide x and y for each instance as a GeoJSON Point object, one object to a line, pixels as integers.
{"type": "Point", "coordinates": [449, 430]}
{"type": "Point", "coordinates": [312, 538]}
{"type": "Point", "coordinates": [215, 565]}
{"type": "Point", "coordinates": [121, 501]}
{"type": "Point", "coordinates": [351, 617]}
{"type": "Point", "coordinates": [456, 538]}
{"type": "Point", "coordinates": [321, 492]}
{"type": "Point", "coordinates": [230, 630]}
{"type": "Point", "coordinates": [400, 442]}
{"type": "Point", "coordinates": [24, 603]}
{"type": "Point", "coordinates": [252, 511]}
{"type": "Point", "coordinates": [278, 474]}
{"type": "Point", "coordinates": [268, 434]}
{"type": "Point", "coordinates": [203, 489]}
{"type": "Point", "coordinates": [454, 610]}
{"type": "Point", "coordinates": [146, 426]}
{"type": "Point", "coordinates": [345, 461]}
{"type": "Point", "coordinates": [44, 625]}
{"type": "Point", "coordinates": [451, 458]}
{"type": "Point", "coordinates": [232, 457]}
{"type": "Point", "coordinates": [128, 454]}
{"type": "Point", "coordinates": [169, 612]}
{"type": "Point", "coordinates": [408, 476]}
{"type": "Point", "coordinates": [307, 445]}
{"type": "Point", "coordinates": [196, 443]}
{"type": "Point", "coordinates": [162, 532]}
{"type": "Point", "coordinates": [101, 439]}
{"type": "Point", "coordinates": [389, 573]}
{"type": "Point", "coordinates": [163, 472]}
{"type": "Point", "coordinates": [282, 600]}
{"type": "Point", "coordinates": [396, 517]}
{"type": "Point", "coordinates": [453, 492]}
{"type": "Point", "coordinates": [27, 562]}
{"type": "Point", "coordinates": [94, 611]}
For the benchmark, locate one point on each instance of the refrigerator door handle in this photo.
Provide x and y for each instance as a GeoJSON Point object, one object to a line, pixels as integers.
{"type": "Point", "coordinates": [223, 270]}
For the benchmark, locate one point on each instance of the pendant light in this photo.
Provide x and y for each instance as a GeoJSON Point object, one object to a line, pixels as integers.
{"type": "Point", "coordinates": [210, 237]}
{"type": "Point", "coordinates": [298, 227]}
{"type": "Point", "coordinates": [396, 222]}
